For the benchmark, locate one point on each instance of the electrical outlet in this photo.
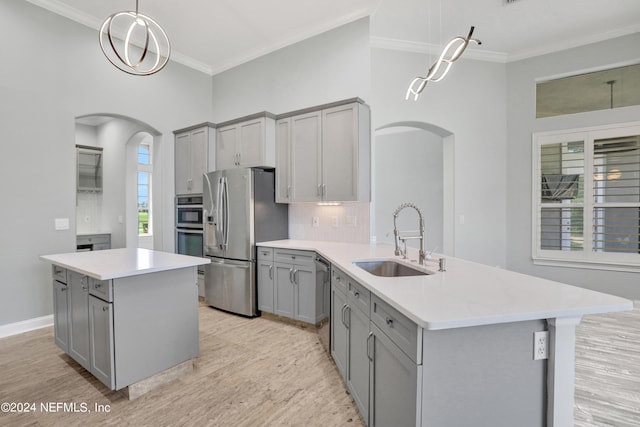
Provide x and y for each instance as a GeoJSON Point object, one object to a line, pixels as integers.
{"type": "Point", "coordinates": [540, 345]}
{"type": "Point", "coordinates": [334, 221]}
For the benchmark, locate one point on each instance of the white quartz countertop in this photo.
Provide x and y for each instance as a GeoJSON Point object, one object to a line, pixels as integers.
{"type": "Point", "coordinates": [124, 262]}
{"type": "Point", "coordinates": [467, 294]}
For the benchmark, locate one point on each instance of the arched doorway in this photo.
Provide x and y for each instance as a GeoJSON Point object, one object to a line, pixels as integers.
{"type": "Point", "coordinates": [413, 162]}
{"type": "Point", "coordinates": [114, 210]}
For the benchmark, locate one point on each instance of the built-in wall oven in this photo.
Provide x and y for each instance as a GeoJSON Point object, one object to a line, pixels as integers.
{"type": "Point", "coordinates": [189, 226]}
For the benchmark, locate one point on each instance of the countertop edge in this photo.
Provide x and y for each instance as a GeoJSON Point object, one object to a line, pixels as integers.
{"type": "Point", "coordinates": [622, 304]}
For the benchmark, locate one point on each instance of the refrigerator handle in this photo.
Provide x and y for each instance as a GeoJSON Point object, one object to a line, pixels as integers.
{"type": "Point", "coordinates": [225, 195]}
{"type": "Point", "coordinates": [218, 214]}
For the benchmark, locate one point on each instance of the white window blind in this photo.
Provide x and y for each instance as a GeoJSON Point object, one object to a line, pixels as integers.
{"type": "Point", "coordinates": [586, 197]}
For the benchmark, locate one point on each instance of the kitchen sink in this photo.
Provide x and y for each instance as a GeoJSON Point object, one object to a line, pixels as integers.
{"type": "Point", "coordinates": [389, 268]}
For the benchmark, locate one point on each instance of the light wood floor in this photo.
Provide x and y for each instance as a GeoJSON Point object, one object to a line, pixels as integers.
{"type": "Point", "coordinates": [261, 372]}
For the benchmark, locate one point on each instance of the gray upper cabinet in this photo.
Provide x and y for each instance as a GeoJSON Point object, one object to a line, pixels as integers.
{"type": "Point", "coordinates": [246, 142]}
{"type": "Point", "coordinates": [324, 154]}
{"type": "Point", "coordinates": [194, 156]}
{"type": "Point", "coordinates": [89, 168]}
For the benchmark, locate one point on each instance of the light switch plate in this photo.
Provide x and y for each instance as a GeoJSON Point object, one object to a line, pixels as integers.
{"type": "Point", "coordinates": [61, 223]}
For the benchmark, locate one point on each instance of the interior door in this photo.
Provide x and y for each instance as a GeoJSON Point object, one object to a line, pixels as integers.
{"type": "Point", "coordinates": [237, 205]}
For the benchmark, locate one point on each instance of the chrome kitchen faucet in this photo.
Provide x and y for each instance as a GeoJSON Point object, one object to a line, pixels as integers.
{"type": "Point", "coordinates": [421, 254]}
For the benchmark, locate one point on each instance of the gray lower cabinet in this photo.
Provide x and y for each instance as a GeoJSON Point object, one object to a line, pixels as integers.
{"type": "Point", "coordinates": [350, 332]}
{"type": "Point", "coordinates": [141, 340]}
{"type": "Point", "coordinates": [101, 339]}
{"type": "Point", "coordinates": [393, 383]}
{"type": "Point", "coordinates": [265, 280]}
{"type": "Point", "coordinates": [296, 294]}
{"type": "Point", "coordinates": [60, 317]}
{"type": "Point", "coordinates": [79, 346]}
{"type": "Point", "coordinates": [378, 352]}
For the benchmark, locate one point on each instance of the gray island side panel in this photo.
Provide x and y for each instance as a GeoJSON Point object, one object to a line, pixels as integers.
{"type": "Point", "coordinates": [155, 323]}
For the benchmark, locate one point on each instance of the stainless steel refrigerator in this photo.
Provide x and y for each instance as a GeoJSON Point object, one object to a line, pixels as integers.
{"type": "Point", "coordinates": [239, 209]}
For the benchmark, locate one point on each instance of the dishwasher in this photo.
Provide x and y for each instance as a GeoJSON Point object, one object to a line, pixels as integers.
{"type": "Point", "coordinates": [323, 281]}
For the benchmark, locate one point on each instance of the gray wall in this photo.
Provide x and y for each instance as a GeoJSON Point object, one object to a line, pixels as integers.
{"type": "Point", "coordinates": [408, 167]}
{"type": "Point", "coordinates": [471, 104]}
{"type": "Point", "coordinates": [521, 77]}
{"type": "Point", "coordinates": [53, 71]}
{"type": "Point", "coordinates": [329, 67]}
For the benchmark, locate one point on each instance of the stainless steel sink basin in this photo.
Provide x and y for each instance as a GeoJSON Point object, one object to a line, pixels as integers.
{"type": "Point", "coordinates": [389, 268]}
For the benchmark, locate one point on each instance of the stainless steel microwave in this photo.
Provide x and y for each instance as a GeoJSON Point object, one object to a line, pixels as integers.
{"type": "Point", "coordinates": [189, 212]}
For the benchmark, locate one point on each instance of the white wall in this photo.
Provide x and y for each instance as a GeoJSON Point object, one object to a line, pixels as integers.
{"type": "Point", "coordinates": [471, 104]}
{"type": "Point", "coordinates": [53, 71]}
{"type": "Point", "coordinates": [522, 123]}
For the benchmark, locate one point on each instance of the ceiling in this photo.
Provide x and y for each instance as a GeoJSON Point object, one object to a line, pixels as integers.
{"type": "Point", "coordinates": [215, 35]}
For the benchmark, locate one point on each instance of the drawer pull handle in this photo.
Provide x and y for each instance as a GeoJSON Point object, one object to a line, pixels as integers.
{"type": "Point", "coordinates": [389, 322]}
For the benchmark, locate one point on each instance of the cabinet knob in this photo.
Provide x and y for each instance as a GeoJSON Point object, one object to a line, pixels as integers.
{"type": "Point", "coordinates": [64, 289]}
{"type": "Point", "coordinates": [105, 308]}
{"type": "Point", "coordinates": [98, 285]}
{"type": "Point", "coordinates": [389, 321]}
{"type": "Point", "coordinates": [356, 294]}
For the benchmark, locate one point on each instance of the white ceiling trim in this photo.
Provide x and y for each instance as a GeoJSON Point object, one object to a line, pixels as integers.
{"type": "Point", "coordinates": [573, 43]}
{"type": "Point", "coordinates": [434, 49]}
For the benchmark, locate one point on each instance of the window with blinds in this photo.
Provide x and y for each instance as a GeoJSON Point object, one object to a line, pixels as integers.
{"type": "Point", "coordinates": [586, 197]}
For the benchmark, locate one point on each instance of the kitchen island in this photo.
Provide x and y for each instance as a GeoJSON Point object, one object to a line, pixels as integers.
{"type": "Point", "coordinates": [129, 316]}
{"type": "Point", "coordinates": [455, 347]}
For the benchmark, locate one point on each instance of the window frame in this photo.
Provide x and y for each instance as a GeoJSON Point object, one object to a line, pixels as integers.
{"type": "Point", "coordinates": [148, 169]}
{"type": "Point", "coordinates": [587, 257]}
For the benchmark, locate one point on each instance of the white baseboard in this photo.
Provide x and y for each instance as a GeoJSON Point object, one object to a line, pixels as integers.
{"type": "Point", "coordinates": [25, 326]}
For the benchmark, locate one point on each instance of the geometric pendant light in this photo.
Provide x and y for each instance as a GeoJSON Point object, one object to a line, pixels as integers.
{"type": "Point", "coordinates": [134, 43]}
{"type": "Point", "coordinates": [451, 52]}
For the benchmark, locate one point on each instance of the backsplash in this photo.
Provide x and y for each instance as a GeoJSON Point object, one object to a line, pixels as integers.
{"type": "Point", "coordinates": [348, 222]}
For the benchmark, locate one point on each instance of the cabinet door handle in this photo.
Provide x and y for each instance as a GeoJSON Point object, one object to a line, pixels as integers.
{"type": "Point", "coordinates": [324, 189]}
{"type": "Point", "coordinates": [319, 192]}
{"type": "Point", "coordinates": [239, 158]}
{"type": "Point", "coordinates": [369, 341]}
{"type": "Point", "coordinates": [288, 191]}
{"type": "Point", "coordinates": [389, 322]}
{"type": "Point", "coordinates": [296, 276]}
{"type": "Point", "coordinates": [291, 275]}
{"type": "Point", "coordinates": [271, 272]}
{"type": "Point", "coordinates": [344, 310]}
{"type": "Point", "coordinates": [84, 281]}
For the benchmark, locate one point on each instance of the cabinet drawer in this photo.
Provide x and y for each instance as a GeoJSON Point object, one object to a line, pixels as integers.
{"type": "Point", "coordinates": [359, 296]}
{"type": "Point", "coordinates": [93, 239]}
{"type": "Point", "coordinates": [396, 326]}
{"type": "Point", "coordinates": [293, 256]}
{"type": "Point", "coordinates": [265, 253]}
{"type": "Point", "coordinates": [102, 289]}
{"type": "Point", "coordinates": [59, 273]}
{"type": "Point", "coordinates": [339, 280]}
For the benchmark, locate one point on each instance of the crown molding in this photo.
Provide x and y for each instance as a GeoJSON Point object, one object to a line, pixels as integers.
{"type": "Point", "coordinates": [433, 49]}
